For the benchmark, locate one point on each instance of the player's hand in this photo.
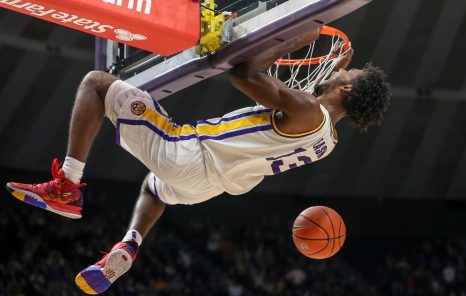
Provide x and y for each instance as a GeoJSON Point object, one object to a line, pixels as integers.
{"type": "Point", "coordinates": [342, 47]}
{"type": "Point", "coordinates": [345, 60]}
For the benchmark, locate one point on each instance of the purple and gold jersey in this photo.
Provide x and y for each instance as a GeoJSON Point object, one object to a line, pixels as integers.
{"type": "Point", "coordinates": [243, 146]}
{"type": "Point", "coordinates": [233, 153]}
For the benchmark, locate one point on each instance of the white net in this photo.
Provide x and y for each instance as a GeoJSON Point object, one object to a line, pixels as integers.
{"type": "Point", "coordinates": [302, 76]}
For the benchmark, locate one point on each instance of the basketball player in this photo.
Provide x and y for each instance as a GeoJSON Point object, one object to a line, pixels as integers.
{"type": "Point", "coordinates": [191, 164]}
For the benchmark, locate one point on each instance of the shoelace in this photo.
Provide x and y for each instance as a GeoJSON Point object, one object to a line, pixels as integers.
{"type": "Point", "coordinates": [55, 169]}
{"type": "Point", "coordinates": [57, 176]}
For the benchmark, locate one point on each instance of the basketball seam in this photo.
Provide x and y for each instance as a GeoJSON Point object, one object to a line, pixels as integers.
{"type": "Point", "coordinates": [339, 228]}
{"type": "Point", "coordinates": [333, 230]}
{"type": "Point", "coordinates": [300, 215]}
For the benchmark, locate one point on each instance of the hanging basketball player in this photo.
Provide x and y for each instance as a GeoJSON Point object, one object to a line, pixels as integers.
{"type": "Point", "coordinates": [191, 164]}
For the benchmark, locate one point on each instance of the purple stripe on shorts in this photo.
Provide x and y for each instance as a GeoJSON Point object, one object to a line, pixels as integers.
{"type": "Point", "coordinates": [151, 127]}
{"type": "Point", "coordinates": [157, 196]}
{"type": "Point", "coordinates": [233, 117]}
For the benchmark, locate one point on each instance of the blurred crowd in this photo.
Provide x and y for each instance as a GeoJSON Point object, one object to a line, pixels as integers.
{"type": "Point", "coordinates": [42, 253]}
{"type": "Point", "coordinates": [426, 268]}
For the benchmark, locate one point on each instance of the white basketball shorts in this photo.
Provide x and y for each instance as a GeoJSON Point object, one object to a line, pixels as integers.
{"type": "Point", "coordinates": [172, 153]}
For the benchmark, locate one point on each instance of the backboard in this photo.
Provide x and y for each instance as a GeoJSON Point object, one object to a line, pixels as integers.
{"type": "Point", "coordinates": [255, 28]}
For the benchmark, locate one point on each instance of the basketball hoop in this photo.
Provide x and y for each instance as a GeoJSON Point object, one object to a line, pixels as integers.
{"type": "Point", "coordinates": [302, 77]}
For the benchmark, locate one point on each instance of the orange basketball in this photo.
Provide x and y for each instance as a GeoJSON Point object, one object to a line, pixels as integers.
{"type": "Point", "coordinates": [319, 232]}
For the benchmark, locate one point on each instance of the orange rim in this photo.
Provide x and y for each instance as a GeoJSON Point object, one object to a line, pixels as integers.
{"type": "Point", "coordinates": [326, 30]}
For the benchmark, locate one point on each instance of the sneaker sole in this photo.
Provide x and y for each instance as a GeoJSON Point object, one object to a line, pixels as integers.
{"type": "Point", "coordinates": [95, 280]}
{"type": "Point", "coordinates": [37, 201]}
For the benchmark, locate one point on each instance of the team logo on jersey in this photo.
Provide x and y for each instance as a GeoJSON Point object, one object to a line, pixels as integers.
{"type": "Point", "coordinates": [320, 148]}
{"type": "Point", "coordinates": [138, 108]}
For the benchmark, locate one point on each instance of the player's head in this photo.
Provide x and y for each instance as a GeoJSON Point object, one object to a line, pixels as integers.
{"type": "Point", "coordinates": [365, 94]}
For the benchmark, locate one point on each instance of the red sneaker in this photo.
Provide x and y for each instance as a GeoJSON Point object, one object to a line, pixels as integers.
{"type": "Point", "coordinates": [60, 196]}
{"type": "Point", "coordinates": [98, 277]}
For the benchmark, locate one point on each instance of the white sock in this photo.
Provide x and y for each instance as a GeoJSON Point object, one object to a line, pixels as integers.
{"type": "Point", "coordinates": [133, 235]}
{"type": "Point", "coordinates": [73, 169]}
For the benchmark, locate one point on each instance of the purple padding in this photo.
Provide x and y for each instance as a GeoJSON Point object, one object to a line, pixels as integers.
{"type": "Point", "coordinates": [302, 21]}
{"type": "Point", "coordinates": [181, 77]}
{"type": "Point", "coordinates": [100, 54]}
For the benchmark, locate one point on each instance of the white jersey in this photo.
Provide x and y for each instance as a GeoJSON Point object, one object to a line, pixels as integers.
{"type": "Point", "coordinates": [243, 146]}
{"type": "Point", "coordinates": [191, 164]}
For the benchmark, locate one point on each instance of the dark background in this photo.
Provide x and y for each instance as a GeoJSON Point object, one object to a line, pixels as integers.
{"type": "Point", "coordinates": [399, 184]}
{"type": "Point", "coordinates": [419, 152]}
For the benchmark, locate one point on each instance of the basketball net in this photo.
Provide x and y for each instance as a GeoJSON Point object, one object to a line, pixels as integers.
{"type": "Point", "coordinates": [302, 77]}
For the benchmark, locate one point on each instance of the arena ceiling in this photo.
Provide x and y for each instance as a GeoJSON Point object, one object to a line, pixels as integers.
{"type": "Point", "coordinates": [419, 151]}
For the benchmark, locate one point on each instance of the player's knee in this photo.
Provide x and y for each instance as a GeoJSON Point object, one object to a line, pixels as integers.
{"type": "Point", "coordinates": [146, 191]}
{"type": "Point", "coordinates": [99, 81]}
{"type": "Point", "coordinates": [92, 79]}
{"type": "Point", "coordinates": [145, 186]}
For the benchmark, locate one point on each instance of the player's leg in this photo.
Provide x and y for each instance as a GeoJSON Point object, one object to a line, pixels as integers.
{"type": "Point", "coordinates": [147, 210]}
{"type": "Point", "coordinates": [98, 277]}
{"type": "Point", "coordinates": [62, 195]}
{"type": "Point", "coordinates": [88, 113]}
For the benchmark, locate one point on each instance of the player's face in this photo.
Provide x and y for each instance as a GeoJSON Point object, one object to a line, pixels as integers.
{"type": "Point", "coordinates": [338, 78]}
{"type": "Point", "coordinates": [346, 76]}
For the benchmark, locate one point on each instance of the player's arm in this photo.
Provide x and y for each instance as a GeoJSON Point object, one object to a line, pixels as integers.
{"type": "Point", "coordinates": [250, 78]}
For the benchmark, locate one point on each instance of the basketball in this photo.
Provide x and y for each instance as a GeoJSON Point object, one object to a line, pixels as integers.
{"type": "Point", "coordinates": [319, 232]}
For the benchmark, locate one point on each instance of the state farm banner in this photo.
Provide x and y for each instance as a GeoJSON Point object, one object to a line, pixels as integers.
{"type": "Point", "coordinates": [161, 26]}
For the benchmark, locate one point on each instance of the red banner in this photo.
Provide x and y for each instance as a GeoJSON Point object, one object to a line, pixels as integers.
{"type": "Point", "coordinates": [161, 26]}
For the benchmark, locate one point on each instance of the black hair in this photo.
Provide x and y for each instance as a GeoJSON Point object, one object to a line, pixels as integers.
{"type": "Point", "coordinates": [369, 98]}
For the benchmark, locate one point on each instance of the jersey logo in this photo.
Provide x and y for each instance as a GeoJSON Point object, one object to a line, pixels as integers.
{"type": "Point", "coordinates": [320, 148]}
{"type": "Point", "coordinates": [289, 161]}
{"type": "Point", "coordinates": [138, 108]}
